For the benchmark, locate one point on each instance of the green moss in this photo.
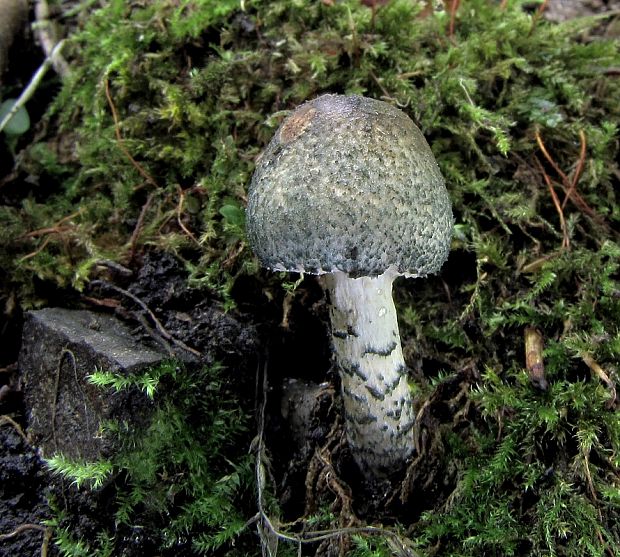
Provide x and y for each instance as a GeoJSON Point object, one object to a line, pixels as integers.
{"type": "Point", "coordinates": [199, 88]}
{"type": "Point", "coordinates": [176, 478]}
{"type": "Point", "coordinates": [194, 86]}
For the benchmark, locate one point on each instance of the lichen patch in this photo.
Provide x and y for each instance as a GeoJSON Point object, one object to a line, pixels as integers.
{"type": "Point", "coordinates": [296, 124]}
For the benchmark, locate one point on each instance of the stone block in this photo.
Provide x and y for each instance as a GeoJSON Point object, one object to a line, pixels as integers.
{"type": "Point", "coordinates": [60, 348]}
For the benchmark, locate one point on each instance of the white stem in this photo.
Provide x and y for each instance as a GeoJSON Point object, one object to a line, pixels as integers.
{"type": "Point", "coordinates": [377, 400]}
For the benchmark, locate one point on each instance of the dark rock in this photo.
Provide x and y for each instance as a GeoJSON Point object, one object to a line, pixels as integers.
{"type": "Point", "coordinates": [563, 10]}
{"type": "Point", "coordinates": [60, 348]}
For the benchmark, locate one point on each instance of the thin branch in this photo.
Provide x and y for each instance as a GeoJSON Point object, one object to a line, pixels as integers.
{"type": "Point", "coordinates": [454, 6]}
{"type": "Point", "coordinates": [44, 29]}
{"type": "Point", "coordinates": [32, 86]}
{"type": "Point", "coordinates": [549, 158]}
{"type": "Point", "coordinates": [48, 231]}
{"type": "Point", "coordinates": [135, 235]}
{"type": "Point", "coordinates": [180, 221]}
{"type": "Point", "coordinates": [386, 93]}
{"type": "Point", "coordinates": [47, 535]}
{"type": "Point", "coordinates": [37, 251]}
{"type": "Point", "coordinates": [567, 184]}
{"type": "Point", "coordinates": [557, 205]}
{"type": "Point", "coordinates": [160, 328]}
{"type": "Point", "coordinates": [604, 377]}
{"type": "Point", "coordinates": [539, 12]}
{"type": "Point", "coordinates": [16, 426]}
{"type": "Point", "coordinates": [52, 229]}
{"type": "Point", "coordinates": [578, 170]}
{"type": "Point", "coordinates": [23, 528]}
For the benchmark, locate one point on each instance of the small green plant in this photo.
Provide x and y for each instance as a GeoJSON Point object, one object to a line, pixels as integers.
{"type": "Point", "coordinates": [70, 546]}
{"type": "Point", "coordinates": [19, 123]}
{"type": "Point", "coordinates": [91, 474]}
{"type": "Point", "coordinates": [14, 122]}
{"type": "Point", "coordinates": [290, 286]}
{"type": "Point", "coordinates": [365, 546]}
{"type": "Point", "coordinates": [146, 381]}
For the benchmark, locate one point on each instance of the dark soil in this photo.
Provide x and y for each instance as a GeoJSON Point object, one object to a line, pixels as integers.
{"type": "Point", "coordinates": [23, 501]}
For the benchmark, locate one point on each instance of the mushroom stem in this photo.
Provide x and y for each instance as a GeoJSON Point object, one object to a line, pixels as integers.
{"type": "Point", "coordinates": [377, 400]}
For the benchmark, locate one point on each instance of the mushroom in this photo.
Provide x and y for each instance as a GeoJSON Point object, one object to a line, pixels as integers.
{"type": "Point", "coordinates": [348, 189]}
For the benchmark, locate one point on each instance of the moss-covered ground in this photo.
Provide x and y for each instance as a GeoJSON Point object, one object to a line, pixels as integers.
{"type": "Point", "coordinates": [149, 146]}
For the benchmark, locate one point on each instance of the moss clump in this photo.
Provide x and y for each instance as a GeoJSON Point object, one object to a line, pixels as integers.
{"type": "Point", "coordinates": [178, 485]}
{"type": "Point", "coordinates": [169, 105]}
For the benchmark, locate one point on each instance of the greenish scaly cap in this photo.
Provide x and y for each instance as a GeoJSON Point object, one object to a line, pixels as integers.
{"type": "Point", "coordinates": [349, 184]}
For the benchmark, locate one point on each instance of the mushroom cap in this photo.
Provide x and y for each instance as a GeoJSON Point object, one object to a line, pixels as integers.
{"type": "Point", "coordinates": [349, 184]}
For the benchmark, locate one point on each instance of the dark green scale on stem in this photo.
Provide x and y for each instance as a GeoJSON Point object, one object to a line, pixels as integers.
{"type": "Point", "coordinates": [381, 351]}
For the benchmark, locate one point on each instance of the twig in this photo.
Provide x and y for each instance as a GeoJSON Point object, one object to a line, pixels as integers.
{"type": "Point", "coordinates": [44, 30]}
{"type": "Point", "coordinates": [569, 185]}
{"type": "Point", "coordinates": [48, 231]}
{"type": "Point", "coordinates": [535, 265]}
{"type": "Point", "coordinates": [32, 86]}
{"type": "Point", "coordinates": [135, 235]}
{"type": "Point", "coordinates": [160, 328]}
{"type": "Point", "coordinates": [153, 333]}
{"type": "Point", "coordinates": [602, 375]}
{"type": "Point", "coordinates": [47, 535]}
{"type": "Point", "coordinates": [52, 229]}
{"type": "Point", "coordinates": [55, 229]}
{"type": "Point", "coordinates": [180, 221]}
{"type": "Point", "coordinates": [227, 263]}
{"type": "Point", "coordinates": [342, 491]}
{"type": "Point", "coordinates": [538, 14]}
{"type": "Point", "coordinates": [16, 426]}
{"type": "Point", "coordinates": [386, 93]}
{"type": "Point", "coordinates": [557, 205]}
{"type": "Point", "coordinates": [110, 303]}
{"type": "Point", "coordinates": [578, 170]}
{"type": "Point", "coordinates": [454, 6]}
{"type": "Point", "coordinates": [549, 158]}
{"type": "Point", "coordinates": [37, 251]}
{"type": "Point", "coordinates": [23, 528]}
{"type": "Point", "coordinates": [121, 141]}
{"type": "Point", "coordinates": [566, 183]}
